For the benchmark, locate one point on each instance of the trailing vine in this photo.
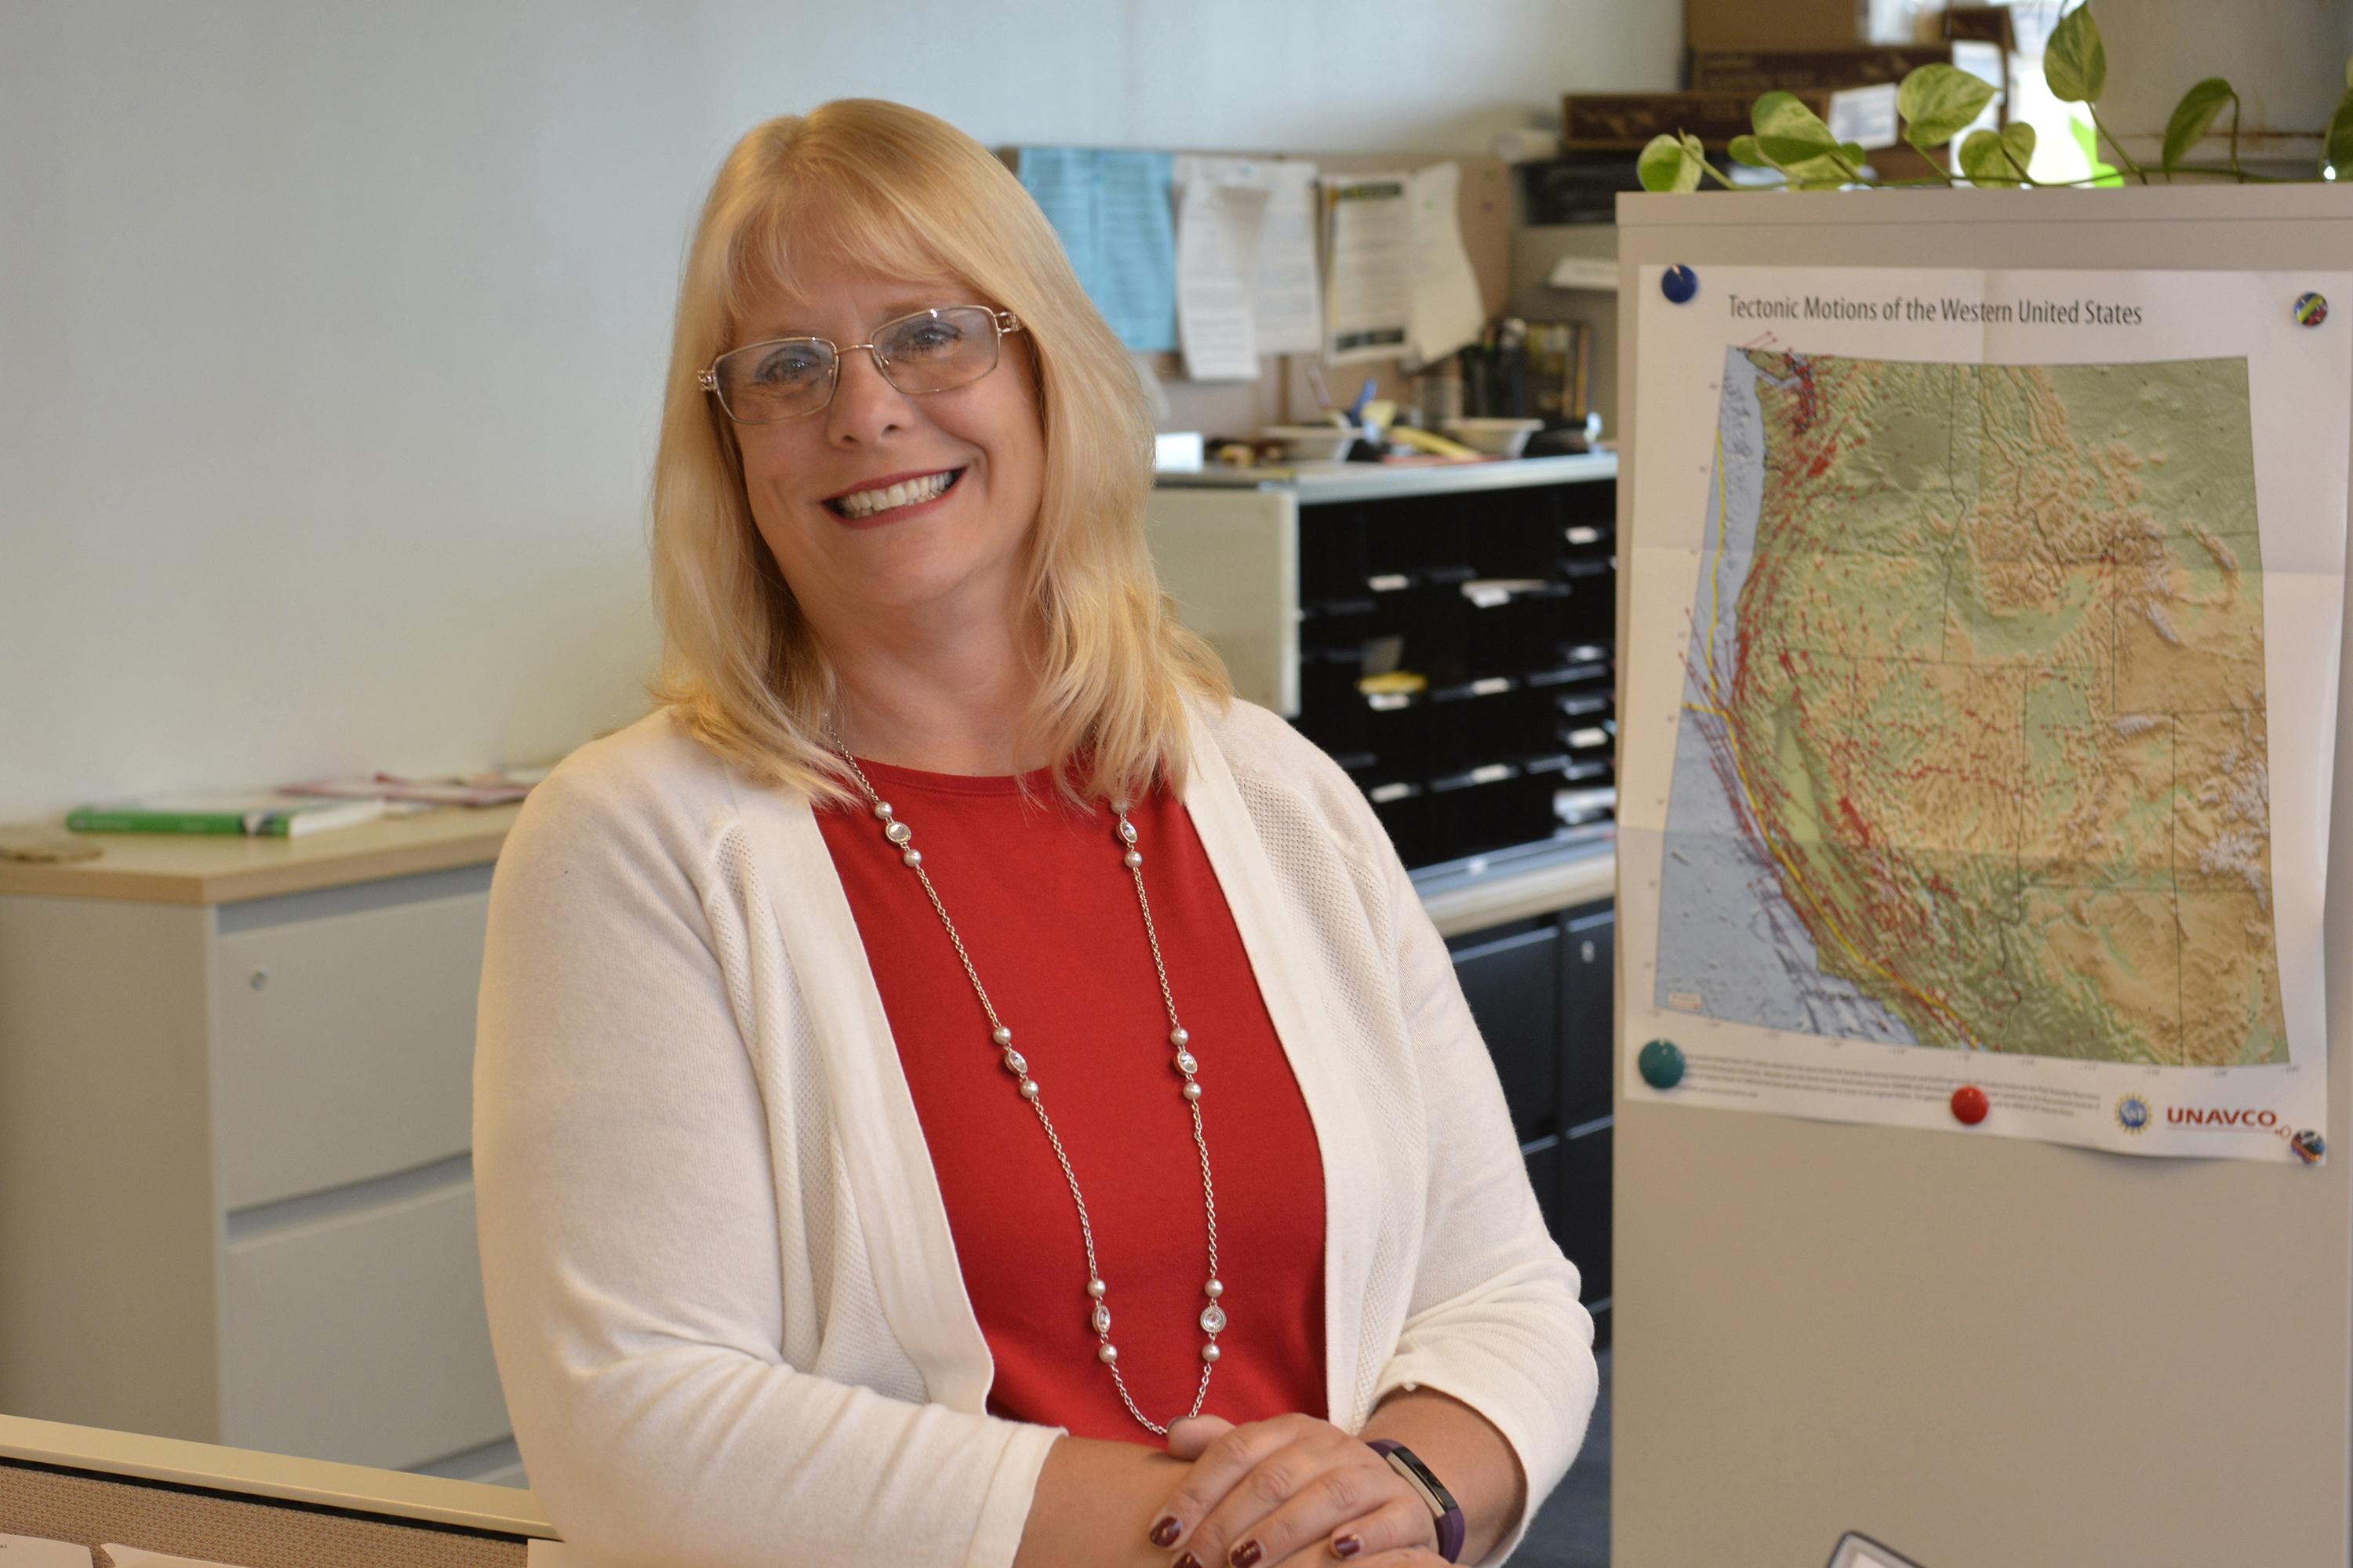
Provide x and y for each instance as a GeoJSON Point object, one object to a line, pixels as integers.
{"type": "Point", "coordinates": [1937, 102]}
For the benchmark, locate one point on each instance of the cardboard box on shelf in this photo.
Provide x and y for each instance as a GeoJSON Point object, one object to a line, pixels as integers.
{"type": "Point", "coordinates": [1969, 24]}
{"type": "Point", "coordinates": [1795, 71]}
{"type": "Point", "coordinates": [1787, 25]}
{"type": "Point", "coordinates": [1624, 122]}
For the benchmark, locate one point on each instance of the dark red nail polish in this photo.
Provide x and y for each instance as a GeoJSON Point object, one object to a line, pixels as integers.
{"type": "Point", "coordinates": [1346, 1546]}
{"type": "Point", "coordinates": [1186, 1559]}
{"type": "Point", "coordinates": [1164, 1533]}
{"type": "Point", "coordinates": [1245, 1554]}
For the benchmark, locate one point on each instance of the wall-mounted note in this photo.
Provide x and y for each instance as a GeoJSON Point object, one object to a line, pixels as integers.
{"type": "Point", "coordinates": [1447, 313]}
{"type": "Point", "coordinates": [1286, 294]}
{"type": "Point", "coordinates": [1218, 227]}
{"type": "Point", "coordinates": [1369, 300]}
{"type": "Point", "coordinates": [1111, 211]}
{"type": "Point", "coordinates": [30, 1551]}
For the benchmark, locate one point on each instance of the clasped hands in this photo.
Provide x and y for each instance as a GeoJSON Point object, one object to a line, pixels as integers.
{"type": "Point", "coordinates": [1288, 1493]}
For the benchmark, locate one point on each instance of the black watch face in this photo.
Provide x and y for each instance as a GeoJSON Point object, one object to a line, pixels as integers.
{"type": "Point", "coordinates": [1445, 1498]}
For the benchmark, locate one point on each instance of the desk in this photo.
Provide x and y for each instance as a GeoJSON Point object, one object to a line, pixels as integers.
{"type": "Point", "coordinates": [204, 868]}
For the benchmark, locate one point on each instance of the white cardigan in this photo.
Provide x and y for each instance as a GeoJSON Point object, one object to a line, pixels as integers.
{"type": "Point", "coordinates": [727, 1307]}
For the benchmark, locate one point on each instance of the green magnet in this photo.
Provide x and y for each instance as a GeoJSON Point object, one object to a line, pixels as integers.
{"type": "Point", "coordinates": [1660, 1064]}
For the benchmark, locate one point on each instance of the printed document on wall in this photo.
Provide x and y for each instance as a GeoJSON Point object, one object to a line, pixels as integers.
{"type": "Point", "coordinates": [1285, 293]}
{"type": "Point", "coordinates": [1981, 681]}
{"type": "Point", "coordinates": [1447, 312]}
{"type": "Point", "coordinates": [1217, 230]}
{"type": "Point", "coordinates": [1369, 293]}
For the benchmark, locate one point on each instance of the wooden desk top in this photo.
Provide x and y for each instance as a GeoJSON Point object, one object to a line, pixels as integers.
{"type": "Point", "coordinates": [204, 868]}
{"type": "Point", "coordinates": [507, 1510]}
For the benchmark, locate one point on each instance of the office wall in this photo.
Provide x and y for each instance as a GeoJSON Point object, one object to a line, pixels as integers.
{"type": "Point", "coordinates": [331, 336]}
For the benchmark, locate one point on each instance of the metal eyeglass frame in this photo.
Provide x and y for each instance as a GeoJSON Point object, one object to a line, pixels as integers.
{"type": "Point", "coordinates": [1005, 321]}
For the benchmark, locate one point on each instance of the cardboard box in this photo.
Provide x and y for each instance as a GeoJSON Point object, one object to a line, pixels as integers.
{"type": "Point", "coordinates": [1625, 122]}
{"type": "Point", "coordinates": [1783, 24]}
{"type": "Point", "coordinates": [1970, 24]}
{"type": "Point", "coordinates": [1755, 71]}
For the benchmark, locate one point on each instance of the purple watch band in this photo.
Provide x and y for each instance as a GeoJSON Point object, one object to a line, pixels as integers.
{"type": "Point", "coordinates": [1406, 1463]}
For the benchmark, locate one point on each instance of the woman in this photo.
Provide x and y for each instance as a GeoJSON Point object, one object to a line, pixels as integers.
{"type": "Point", "coordinates": [950, 973]}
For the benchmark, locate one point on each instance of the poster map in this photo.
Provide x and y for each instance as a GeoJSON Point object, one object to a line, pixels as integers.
{"type": "Point", "coordinates": [1973, 750]}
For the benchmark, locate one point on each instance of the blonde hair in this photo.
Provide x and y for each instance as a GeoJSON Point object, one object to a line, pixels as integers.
{"type": "Point", "coordinates": [901, 192]}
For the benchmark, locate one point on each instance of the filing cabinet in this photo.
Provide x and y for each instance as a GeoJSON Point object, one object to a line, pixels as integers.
{"type": "Point", "coordinates": [236, 1193]}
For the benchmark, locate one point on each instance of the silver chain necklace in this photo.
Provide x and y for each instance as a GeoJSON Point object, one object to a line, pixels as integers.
{"type": "Point", "coordinates": [1213, 1315]}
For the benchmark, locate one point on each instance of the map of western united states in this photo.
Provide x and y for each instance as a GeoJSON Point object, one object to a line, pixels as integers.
{"type": "Point", "coordinates": [1973, 750]}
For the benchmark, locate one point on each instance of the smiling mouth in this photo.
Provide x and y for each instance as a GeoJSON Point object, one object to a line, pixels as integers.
{"type": "Point", "coordinates": [863, 504]}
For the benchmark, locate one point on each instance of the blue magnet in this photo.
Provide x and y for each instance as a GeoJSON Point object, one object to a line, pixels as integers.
{"type": "Point", "coordinates": [2309, 1146]}
{"type": "Point", "coordinates": [1679, 284]}
{"type": "Point", "coordinates": [1661, 1063]}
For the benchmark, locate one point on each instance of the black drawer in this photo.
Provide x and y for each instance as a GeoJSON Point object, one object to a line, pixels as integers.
{"type": "Point", "coordinates": [1587, 1032]}
{"type": "Point", "coordinates": [1512, 984]}
{"type": "Point", "coordinates": [1584, 1199]}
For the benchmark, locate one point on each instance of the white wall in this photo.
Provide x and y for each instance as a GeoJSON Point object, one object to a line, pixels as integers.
{"type": "Point", "coordinates": [330, 335]}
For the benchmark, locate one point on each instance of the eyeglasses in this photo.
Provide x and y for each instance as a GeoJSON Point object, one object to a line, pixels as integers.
{"type": "Point", "coordinates": [789, 377]}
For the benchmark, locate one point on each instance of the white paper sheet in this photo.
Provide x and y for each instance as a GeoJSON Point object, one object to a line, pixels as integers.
{"type": "Point", "coordinates": [138, 1557]}
{"type": "Point", "coordinates": [1370, 293]}
{"type": "Point", "coordinates": [32, 1551]}
{"type": "Point", "coordinates": [1217, 230]}
{"type": "Point", "coordinates": [1447, 312]}
{"type": "Point", "coordinates": [2039, 577]}
{"type": "Point", "coordinates": [1285, 291]}
{"type": "Point", "coordinates": [1866, 116]}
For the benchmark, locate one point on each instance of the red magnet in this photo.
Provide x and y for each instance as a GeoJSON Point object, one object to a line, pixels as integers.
{"type": "Point", "coordinates": [1969, 1106]}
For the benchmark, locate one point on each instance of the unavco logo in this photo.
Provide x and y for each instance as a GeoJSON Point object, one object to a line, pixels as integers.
{"type": "Point", "coordinates": [2134, 1114]}
{"type": "Point", "coordinates": [2197, 1116]}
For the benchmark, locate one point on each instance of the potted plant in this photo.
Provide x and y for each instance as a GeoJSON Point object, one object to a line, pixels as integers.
{"type": "Point", "coordinates": [1937, 103]}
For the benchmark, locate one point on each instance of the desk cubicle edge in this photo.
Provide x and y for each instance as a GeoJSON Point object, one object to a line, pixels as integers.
{"type": "Point", "coordinates": [395, 1495]}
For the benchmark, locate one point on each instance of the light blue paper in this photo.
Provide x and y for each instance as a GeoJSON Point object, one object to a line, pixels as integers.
{"type": "Point", "coordinates": [1111, 212]}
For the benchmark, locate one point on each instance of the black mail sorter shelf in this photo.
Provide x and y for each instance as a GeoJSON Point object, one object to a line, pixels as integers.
{"type": "Point", "coordinates": [1456, 657]}
{"type": "Point", "coordinates": [1539, 989]}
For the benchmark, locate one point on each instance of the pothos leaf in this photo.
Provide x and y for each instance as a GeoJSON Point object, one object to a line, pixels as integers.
{"type": "Point", "coordinates": [1938, 102]}
{"type": "Point", "coordinates": [2073, 63]}
{"type": "Point", "coordinates": [1784, 117]}
{"type": "Point", "coordinates": [1998, 157]}
{"type": "Point", "coordinates": [2192, 116]}
{"type": "Point", "coordinates": [1786, 151]}
{"type": "Point", "coordinates": [2337, 150]}
{"type": "Point", "coordinates": [1664, 165]}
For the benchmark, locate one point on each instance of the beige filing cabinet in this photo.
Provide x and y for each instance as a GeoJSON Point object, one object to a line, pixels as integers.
{"type": "Point", "coordinates": [235, 1192]}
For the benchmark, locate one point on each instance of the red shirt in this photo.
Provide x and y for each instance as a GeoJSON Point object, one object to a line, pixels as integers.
{"type": "Point", "coordinates": [1049, 914]}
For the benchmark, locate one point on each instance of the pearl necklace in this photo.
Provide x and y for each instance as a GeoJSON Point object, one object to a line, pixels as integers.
{"type": "Point", "coordinates": [1213, 1315]}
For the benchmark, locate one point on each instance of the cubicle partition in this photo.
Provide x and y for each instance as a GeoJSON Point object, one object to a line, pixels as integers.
{"type": "Point", "coordinates": [1977, 1348]}
{"type": "Point", "coordinates": [83, 1489]}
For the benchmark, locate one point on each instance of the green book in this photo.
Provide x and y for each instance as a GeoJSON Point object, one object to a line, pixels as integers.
{"type": "Point", "coordinates": [251, 815]}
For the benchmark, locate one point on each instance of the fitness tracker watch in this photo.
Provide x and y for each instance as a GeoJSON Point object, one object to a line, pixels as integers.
{"type": "Point", "coordinates": [1406, 1463]}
